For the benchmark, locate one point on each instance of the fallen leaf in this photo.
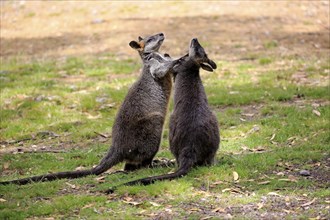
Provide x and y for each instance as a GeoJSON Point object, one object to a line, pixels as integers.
{"type": "Point", "coordinates": [264, 182]}
{"type": "Point", "coordinates": [285, 180]}
{"type": "Point", "coordinates": [80, 168]}
{"type": "Point", "coordinates": [236, 191]}
{"type": "Point", "coordinates": [308, 203]}
{"type": "Point", "coordinates": [236, 177]}
{"type": "Point", "coordinates": [133, 203]}
{"type": "Point", "coordinates": [217, 183]}
{"type": "Point", "coordinates": [3, 200]}
{"type": "Point", "coordinates": [142, 212]}
{"type": "Point", "coordinates": [102, 135]}
{"type": "Point", "coordinates": [272, 138]}
{"type": "Point", "coordinates": [226, 190]}
{"type": "Point", "coordinates": [229, 216]}
{"type": "Point", "coordinates": [248, 114]}
{"type": "Point", "coordinates": [88, 206]}
{"type": "Point", "coordinates": [127, 198]}
{"type": "Point", "coordinates": [92, 117]}
{"type": "Point", "coordinates": [100, 179]}
{"type": "Point", "coordinates": [105, 106]}
{"type": "Point", "coordinates": [155, 204]}
{"type": "Point", "coordinates": [290, 178]}
{"type": "Point", "coordinates": [195, 209]}
{"type": "Point", "coordinates": [273, 194]}
{"type": "Point", "coordinates": [219, 209]}
{"type": "Point", "coordinates": [286, 165]}
{"type": "Point", "coordinates": [151, 215]}
{"type": "Point", "coordinates": [260, 205]}
{"type": "Point", "coordinates": [22, 96]}
{"type": "Point", "coordinates": [207, 217]}
{"type": "Point", "coordinates": [168, 210]}
{"type": "Point", "coordinates": [287, 211]}
{"type": "Point", "coordinates": [245, 148]}
{"type": "Point", "coordinates": [71, 185]}
{"type": "Point", "coordinates": [233, 92]}
{"type": "Point", "coordinates": [316, 112]}
{"type": "Point", "coordinates": [97, 211]}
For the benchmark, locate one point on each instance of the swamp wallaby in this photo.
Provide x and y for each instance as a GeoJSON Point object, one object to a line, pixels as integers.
{"type": "Point", "coordinates": [137, 130]}
{"type": "Point", "coordinates": [194, 133]}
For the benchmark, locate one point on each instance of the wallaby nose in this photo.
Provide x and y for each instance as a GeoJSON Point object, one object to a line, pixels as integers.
{"type": "Point", "coordinates": [193, 42]}
{"type": "Point", "coordinates": [161, 34]}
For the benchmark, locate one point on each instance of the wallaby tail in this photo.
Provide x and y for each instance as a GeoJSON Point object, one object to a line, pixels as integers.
{"type": "Point", "coordinates": [182, 171]}
{"type": "Point", "coordinates": [106, 163]}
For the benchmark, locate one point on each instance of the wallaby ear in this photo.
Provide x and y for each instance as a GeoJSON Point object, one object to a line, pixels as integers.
{"type": "Point", "coordinates": [140, 38]}
{"type": "Point", "coordinates": [135, 45]}
{"type": "Point", "coordinates": [206, 67]}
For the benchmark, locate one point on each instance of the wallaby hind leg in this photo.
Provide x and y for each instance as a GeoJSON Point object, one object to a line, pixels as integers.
{"type": "Point", "coordinates": [131, 167]}
{"type": "Point", "coordinates": [145, 164]}
{"type": "Point", "coordinates": [159, 162]}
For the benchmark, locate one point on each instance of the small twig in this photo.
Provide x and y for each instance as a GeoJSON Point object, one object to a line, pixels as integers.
{"type": "Point", "coordinates": [16, 141]}
{"type": "Point", "coordinates": [245, 58]}
{"type": "Point", "coordinates": [38, 151]}
{"type": "Point", "coordinates": [41, 134]}
{"type": "Point", "coordinates": [102, 135]}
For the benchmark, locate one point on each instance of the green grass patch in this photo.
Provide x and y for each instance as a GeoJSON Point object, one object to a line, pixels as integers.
{"type": "Point", "coordinates": [269, 124]}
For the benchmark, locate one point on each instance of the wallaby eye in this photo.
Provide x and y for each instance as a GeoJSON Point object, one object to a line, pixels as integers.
{"type": "Point", "coordinates": [148, 41]}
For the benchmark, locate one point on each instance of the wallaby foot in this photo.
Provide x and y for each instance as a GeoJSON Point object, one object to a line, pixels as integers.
{"type": "Point", "coordinates": [163, 162]}
{"type": "Point", "coordinates": [131, 167]}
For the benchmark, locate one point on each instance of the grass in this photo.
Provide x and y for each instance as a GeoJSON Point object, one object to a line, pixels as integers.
{"type": "Point", "coordinates": [271, 128]}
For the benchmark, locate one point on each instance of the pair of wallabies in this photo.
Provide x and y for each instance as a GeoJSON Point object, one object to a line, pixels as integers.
{"type": "Point", "coordinates": [137, 131]}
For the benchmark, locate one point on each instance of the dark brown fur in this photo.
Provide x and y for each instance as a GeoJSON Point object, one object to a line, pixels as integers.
{"type": "Point", "coordinates": [137, 130]}
{"type": "Point", "coordinates": [194, 133]}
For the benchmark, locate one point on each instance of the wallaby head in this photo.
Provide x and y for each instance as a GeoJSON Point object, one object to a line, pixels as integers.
{"type": "Point", "coordinates": [148, 44]}
{"type": "Point", "coordinates": [198, 54]}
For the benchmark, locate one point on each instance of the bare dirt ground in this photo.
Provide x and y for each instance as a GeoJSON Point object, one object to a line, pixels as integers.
{"type": "Point", "coordinates": [230, 30]}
